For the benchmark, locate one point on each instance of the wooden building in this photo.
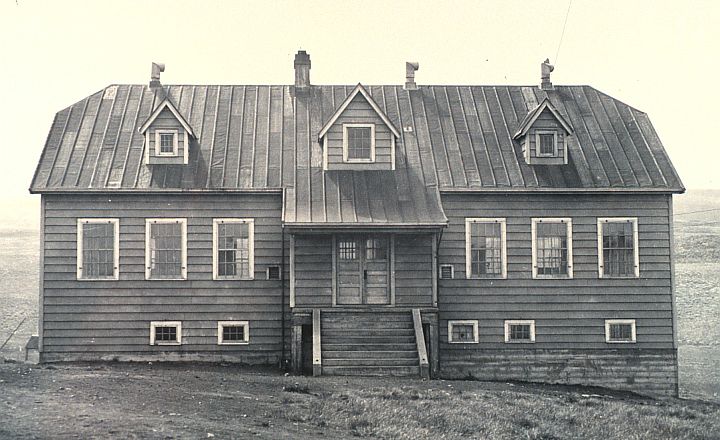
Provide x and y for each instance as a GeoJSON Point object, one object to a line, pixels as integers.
{"type": "Point", "coordinates": [498, 232]}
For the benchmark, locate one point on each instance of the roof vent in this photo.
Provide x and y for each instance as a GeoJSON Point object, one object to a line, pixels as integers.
{"type": "Point", "coordinates": [302, 69]}
{"type": "Point", "coordinates": [410, 68]}
{"type": "Point", "coordinates": [545, 69]}
{"type": "Point", "coordinates": [155, 75]}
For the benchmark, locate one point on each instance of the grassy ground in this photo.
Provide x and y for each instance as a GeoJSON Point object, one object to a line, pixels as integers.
{"type": "Point", "coordinates": [214, 401]}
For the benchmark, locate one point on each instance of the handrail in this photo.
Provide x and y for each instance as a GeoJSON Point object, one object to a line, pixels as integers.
{"type": "Point", "coordinates": [317, 350]}
{"type": "Point", "coordinates": [420, 342]}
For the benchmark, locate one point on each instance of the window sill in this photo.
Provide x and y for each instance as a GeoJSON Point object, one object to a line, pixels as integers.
{"type": "Point", "coordinates": [463, 342]}
{"type": "Point", "coordinates": [234, 343]}
{"type": "Point", "coordinates": [99, 279]}
{"type": "Point", "coordinates": [519, 342]}
{"type": "Point", "coordinates": [165, 279]}
{"type": "Point", "coordinates": [552, 277]}
{"type": "Point", "coordinates": [223, 278]}
{"type": "Point", "coordinates": [358, 161]}
{"type": "Point", "coordinates": [618, 277]}
{"type": "Point", "coordinates": [166, 343]}
{"type": "Point", "coordinates": [620, 342]}
{"type": "Point", "coordinates": [498, 277]}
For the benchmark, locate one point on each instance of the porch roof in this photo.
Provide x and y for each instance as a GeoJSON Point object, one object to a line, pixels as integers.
{"type": "Point", "coordinates": [363, 199]}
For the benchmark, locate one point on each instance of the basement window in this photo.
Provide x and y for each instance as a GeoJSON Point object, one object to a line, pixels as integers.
{"type": "Point", "coordinates": [359, 142]}
{"type": "Point", "coordinates": [166, 142]}
{"type": "Point", "coordinates": [447, 272]}
{"type": "Point", "coordinates": [552, 248]}
{"type": "Point", "coordinates": [273, 273]}
{"type": "Point", "coordinates": [519, 331]}
{"type": "Point", "coordinates": [463, 332]}
{"type": "Point", "coordinates": [165, 333]}
{"type": "Point", "coordinates": [233, 332]}
{"type": "Point", "coordinates": [618, 253]}
{"type": "Point", "coordinates": [620, 331]}
{"type": "Point", "coordinates": [98, 242]}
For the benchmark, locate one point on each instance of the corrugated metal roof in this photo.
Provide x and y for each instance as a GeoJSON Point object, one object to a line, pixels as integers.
{"type": "Point", "coordinates": [264, 137]}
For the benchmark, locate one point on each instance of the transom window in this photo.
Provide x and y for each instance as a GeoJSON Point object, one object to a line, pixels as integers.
{"type": "Point", "coordinates": [463, 332]}
{"type": "Point", "coordinates": [552, 248]}
{"type": "Point", "coordinates": [97, 249]}
{"type": "Point", "coordinates": [347, 250]}
{"type": "Point", "coordinates": [166, 249]}
{"type": "Point", "coordinates": [233, 248]}
{"type": "Point", "coordinates": [618, 247]}
{"type": "Point", "coordinates": [233, 332]}
{"type": "Point", "coordinates": [620, 331]}
{"type": "Point", "coordinates": [166, 142]}
{"type": "Point", "coordinates": [359, 142]}
{"type": "Point", "coordinates": [546, 142]}
{"type": "Point", "coordinates": [485, 249]}
{"type": "Point", "coordinates": [520, 331]}
{"type": "Point", "coordinates": [165, 333]}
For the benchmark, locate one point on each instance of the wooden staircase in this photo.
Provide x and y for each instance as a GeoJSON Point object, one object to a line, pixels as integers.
{"type": "Point", "coordinates": [369, 343]}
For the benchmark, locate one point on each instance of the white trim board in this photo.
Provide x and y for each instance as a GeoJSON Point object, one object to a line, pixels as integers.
{"type": "Point", "coordinates": [246, 332]}
{"type": "Point", "coordinates": [511, 322]}
{"type": "Point", "coordinates": [472, 322]}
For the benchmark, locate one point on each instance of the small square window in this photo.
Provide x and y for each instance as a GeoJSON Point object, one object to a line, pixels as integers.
{"type": "Point", "coordinates": [165, 333]}
{"type": "Point", "coordinates": [359, 142]}
{"type": "Point", "coordinates": [273, 273]}
{"type": "Point", "coordinates": [463, 332]}
{"type": "Point", "coordinates": [520, 331]}
{"type": "Point", "coordinates": [166, 142]}
{"type": "Point", "coordinates": [233, 332]}
{"type": "Point", "coordinates": [447, 272]}
{"type": "Point", "coordinates": [620, 331]}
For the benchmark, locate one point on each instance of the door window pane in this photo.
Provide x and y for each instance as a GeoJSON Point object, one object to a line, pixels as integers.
{"type": "Point", "coordinates": [347, 250]}
{"type": "Point", "coordinates": [376, 249]}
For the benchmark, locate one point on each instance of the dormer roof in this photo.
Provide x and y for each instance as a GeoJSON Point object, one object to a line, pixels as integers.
{"type": "Point", "coordinates": [535, 113]}
{"type": "Point", "coordinates": [167, 104]}
{"type": "Point", "coordinates": [358, 89]}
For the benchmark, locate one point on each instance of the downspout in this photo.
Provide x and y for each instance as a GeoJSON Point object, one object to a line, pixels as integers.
{"type": "Point", "coordinates": [283, 362]}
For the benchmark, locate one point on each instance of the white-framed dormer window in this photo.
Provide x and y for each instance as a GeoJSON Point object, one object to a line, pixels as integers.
{"type": "Point", "coordinates": [165, 249]}
{"type": "Point", "coordinates": [519, 331]}
{"type": "Point", "coordinates": [166, 142]}
{"type": "Point", "coordinates": [359, 142]}
{"type": "Point", "coordinates": [552, 248]}
{"type": "Point", "coordinates": [618, 250]}
{"type": "Point", "coordinates": [98, 245]}
{"type": "Point", "coordinates": [620, 331]}
{"type": "Point", "coordinates": [233, 332]}
{"type": "Point", "coordinates": [485, 248]}
{"type": "Point", "coordinates": [463, 332]}
{"type": "Point", "coordinates": [233, 249]}
{"type": "Point", "coordinates": [546, 143]}
{"type": "Point", "coordinates": [165, 333]}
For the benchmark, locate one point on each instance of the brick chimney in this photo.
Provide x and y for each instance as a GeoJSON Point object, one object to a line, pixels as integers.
{"type": "Point", "coordinates": [302, 69]}
{"type": "Point", "coordinates": [545, 69]}
{"type": "Point", "coordinates": [410, 69]}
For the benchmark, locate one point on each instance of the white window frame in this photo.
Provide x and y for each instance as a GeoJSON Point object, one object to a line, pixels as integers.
{"type": "Point", "coordinates": [81, 222]}
{"type": "Point", "coordinates": [246, 332]}
{"type": "Point", "coordinates": [509, 322]}
{"type": "Point", "coordinates": [609, 322]}
{"type": "Point", "coordinates": [473, 322]}
{"type": "Point", "coordinates": [175, 134]}
{"type": "Point", "coordinates": [636, 248]}
{"type": "Point", "coordinates": [251, 247]}
{"type": "Point", "coordinates": [535, 221]}
{"type": "Point", "coordinates": [345, 143]}
{"type": "Point", "coordinates": [537, 143]}
{"type": "Point", "coordinates": [452, 271]}
{"type": "Point", "coordinates": [183, 247]}
{"type": "Point", "coordinates": [468, 244]}
{"type": "Point", "coordinates": [176, 324]}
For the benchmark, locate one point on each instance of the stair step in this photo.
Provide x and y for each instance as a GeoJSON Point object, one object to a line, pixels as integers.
{"type": "Point", "coordinates": [361, 339]}
{"type": "Point", "coordinates": [366, 318]}
{"type": "Point", "coordinates": [371, 371]}
{"type": "Point", "coordinates": [369, 331]}
{"type": "Point", "coordinates": [370, 362]}
{"type": "Point", "coordinates": [370, 354]}
{"type": "Point", "coordinates": [367, 346]}
{"type": "Point", "coordinates": [352, 325]}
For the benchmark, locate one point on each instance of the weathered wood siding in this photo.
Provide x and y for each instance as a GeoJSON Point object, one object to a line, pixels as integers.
{"type": "Point", "coordinates": [314, 279]}
{"type": "Point", "coordinates": [569, 313]}
{"type": "Point", "coordinates": [111, 319]}
{"type": "Point", "coordinates": [359, 111]}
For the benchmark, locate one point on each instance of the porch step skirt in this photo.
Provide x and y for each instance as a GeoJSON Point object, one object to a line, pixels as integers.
{"type": "Point", "coordinates": [369, 343]}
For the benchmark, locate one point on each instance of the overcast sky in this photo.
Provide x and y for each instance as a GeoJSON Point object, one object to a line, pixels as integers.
{"type": "Point", "coordinates": [661, 57]}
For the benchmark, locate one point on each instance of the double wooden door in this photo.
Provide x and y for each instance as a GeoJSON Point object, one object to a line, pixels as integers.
{"type": "Point", "coordinates": [363, 268]}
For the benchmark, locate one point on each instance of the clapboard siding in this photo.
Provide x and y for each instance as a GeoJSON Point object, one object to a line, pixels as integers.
{"type": "Point", "coordinates": [569, 313]}
{"type": "Point", "coordinates": [413, 269]}
{"type": "Point", "coordinates": [102, 319]}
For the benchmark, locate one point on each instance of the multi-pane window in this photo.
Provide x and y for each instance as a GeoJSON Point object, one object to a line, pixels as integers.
{"type": "Point", "coordinates": [167, 143]}
{"type": "Point", "coordinates": [376, 249]}
{"type": "Point", "coordinates": [618, 247]}
{"type": "Point", "coordinates": [233, 332]}
{"type": "Point", "coordinates": [347, 249]}
{"type": "Point", "coordinates": [546, 144]}
{"type": "Point", "coordinates": [462, 332]}
{"type": "Point", "coordinates": [165, 333]}
{"type": "Point", "coordinates": [166, 249]}
{"type": "Point", "coordinates": [552, 248]}
{"type": "Point", "coordinates": [620, 330]}
{"type": "Point", "coordinates": [233, 248]}
{"type": "Point", "coordinates": [97, 249]}
{"type": "Point", "coordinates": [485, 248]}
{"type": "Point", "coordinates": [359, 142]}
{"type": "Point", "coordinates": [519, 331]}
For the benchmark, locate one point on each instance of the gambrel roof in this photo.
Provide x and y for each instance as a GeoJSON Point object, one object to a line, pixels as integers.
{"type": "Point", "coordinates": [253, 138]}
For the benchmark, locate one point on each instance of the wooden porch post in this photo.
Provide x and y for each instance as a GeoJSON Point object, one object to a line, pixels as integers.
{"type": "Point", "coordinates": [296, 349]}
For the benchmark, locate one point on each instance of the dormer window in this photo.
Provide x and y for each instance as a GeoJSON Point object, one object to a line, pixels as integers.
{"type": "Point", "coordinates": [544, 135]}
{"type": "Point", "coordinates": [359, 142]}
{"type": "Point", "coordinates": [547, 143]}
{"type": "Point", "coordinates": [166, 142]}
